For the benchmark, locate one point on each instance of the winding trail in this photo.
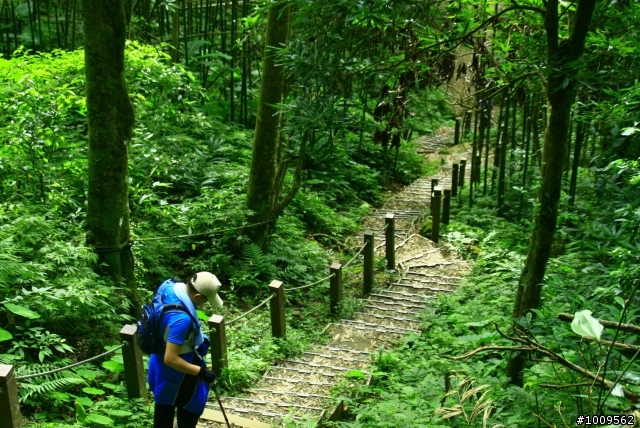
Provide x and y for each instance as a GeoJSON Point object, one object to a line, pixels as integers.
{"type": "Point", "coordinates": [301, 388]}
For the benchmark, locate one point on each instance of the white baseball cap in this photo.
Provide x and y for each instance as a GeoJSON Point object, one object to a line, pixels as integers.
{"type": "Point", "coordinates": [208, 285]}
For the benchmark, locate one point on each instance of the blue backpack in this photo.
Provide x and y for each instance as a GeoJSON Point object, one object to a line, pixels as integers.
{"type": "Point", "coordinates": [148, 336]}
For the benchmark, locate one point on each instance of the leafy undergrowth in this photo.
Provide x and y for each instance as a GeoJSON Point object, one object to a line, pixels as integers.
{"type": "Point", "coordinates": [594, 266]}
{"type": "Point", "coordinates": [187, 175]}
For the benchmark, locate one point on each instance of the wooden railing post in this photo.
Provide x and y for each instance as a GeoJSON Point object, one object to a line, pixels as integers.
{"type": "Point", "coordinates": [390, 240]}
{"type": "Point", "coordinates": [456, 138]}
{"type": "Point", "coordinates": [278, 324]}
{"type": "Point", "coordinates": [454, 180]}
{"type": "Point", "coordinates": [133, 367]}
{"type": "Point", "coordinates": [9, 404]}
{"type": "Point", "coordinates": [463, 163]}
{"type": "Point", "coordinates": [434, 183]}
{"type": "Point", "coordinates": [435, 225]}
{"type": "Point", "coordinates": [218, 332]}
{"type": "Point", "coordinates": [368, 262]}
{"type": "Point", "coordinates": [335, 292]}
{"type": "Point", "coordinates": [446, 206]}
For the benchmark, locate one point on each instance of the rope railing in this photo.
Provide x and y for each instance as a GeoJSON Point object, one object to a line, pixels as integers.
{"type": "Point", "coordinates": [72, 365]}
{"type": "Point", "coordinates": [198, 235]}
{"type": "Point", "coordinates": [264, 302]}
{"type": "Point", "coordinates": [354, 257]}
{"type": "Point", "coordinates": [380, 231]}
{"type": "Point", "coordinates": [310, 285]}
{"type": "Point", "coordinates": [162, 238]}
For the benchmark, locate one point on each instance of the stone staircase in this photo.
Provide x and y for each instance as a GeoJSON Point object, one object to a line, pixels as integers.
{"type": "Point", "coordinates": [300, 389]}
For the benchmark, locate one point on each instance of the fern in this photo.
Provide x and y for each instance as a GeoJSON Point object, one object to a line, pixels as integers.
{"type": "Point", "coordinates": [10, 269]}
{"type": "Point", "coordinates": [39, 386]}
{"type": "Point", "coordinates": [27, 390]}
{"type": "Point", "coordinates": [259, 262]}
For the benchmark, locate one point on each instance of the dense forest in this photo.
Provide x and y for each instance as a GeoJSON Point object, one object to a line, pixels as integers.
{"type": "Point", "coordinates": [146, 139]}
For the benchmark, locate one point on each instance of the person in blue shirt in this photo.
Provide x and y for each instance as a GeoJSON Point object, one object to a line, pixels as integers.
{"type": "Point", "coordinates": [179, 378]}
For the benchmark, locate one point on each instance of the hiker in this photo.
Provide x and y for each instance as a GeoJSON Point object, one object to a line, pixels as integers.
{"type": "Point", "coordinates": [179, 378]}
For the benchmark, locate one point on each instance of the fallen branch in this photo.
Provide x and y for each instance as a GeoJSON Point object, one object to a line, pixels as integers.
{"type": "Point", "coordinates": [615, 345]}
{"type": "Point", "coordinates": [531, 346]}
{"type": "Point", "coordinates": [488, 348]}
{"type": "Point", "coordinates": [629, 328]}
{"type": "Point", "coordinates": [571, 385]}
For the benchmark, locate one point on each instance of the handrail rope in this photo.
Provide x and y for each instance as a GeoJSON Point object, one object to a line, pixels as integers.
{"type": "Point", "coordinates": [302, 287]}
{"type": "Point", "coordinates": [357, 254]}
{"type": "Point", "coordinates": [264, 302]}
{"type": "Point", "coordinates": [72, 365]}
{"type": "Point", "coordinates": [381, 230]}
{"type": "Point", "coordinates": [160, 238]}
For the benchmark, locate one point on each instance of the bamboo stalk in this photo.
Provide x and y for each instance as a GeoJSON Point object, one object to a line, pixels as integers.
{"type": "Point", "coordinates": [185, 35]}
{"type": "Point", "coordinates": [33, 36]}
{"type": "Point", "coordinates": [503, 155]}
{"type": "Point", "coordinates": [73, 35]}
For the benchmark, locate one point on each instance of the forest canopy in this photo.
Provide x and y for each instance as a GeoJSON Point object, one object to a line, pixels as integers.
{"type": "Point", "coordinates": [253, 139]}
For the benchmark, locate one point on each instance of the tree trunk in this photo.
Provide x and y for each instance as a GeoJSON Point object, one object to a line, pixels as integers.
{"type": "Point", "coordinates": [560, 93]}
{"type": "Point", "coordinates": [262, 176]}
{"type": "Point", "coordinates": [110, 117]}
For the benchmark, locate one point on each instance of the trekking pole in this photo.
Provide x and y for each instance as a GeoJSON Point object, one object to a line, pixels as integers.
{"type": "Point", "coordinates": [215, 391]}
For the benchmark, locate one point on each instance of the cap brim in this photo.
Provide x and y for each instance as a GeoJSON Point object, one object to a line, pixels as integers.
{"type": "Point", "coordinates": [216, 302]}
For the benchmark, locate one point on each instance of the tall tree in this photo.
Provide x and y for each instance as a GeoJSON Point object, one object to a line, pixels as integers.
{"type": "Point", "coordinates": [561, 83]}
{"type": "Point", "coordinates": [111, 117]}
{"type": "Point", "coordinates": [263, 191]}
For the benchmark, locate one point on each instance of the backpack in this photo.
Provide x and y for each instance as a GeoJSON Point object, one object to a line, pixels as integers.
{"type": "Point", "coordinates": [148, 336]}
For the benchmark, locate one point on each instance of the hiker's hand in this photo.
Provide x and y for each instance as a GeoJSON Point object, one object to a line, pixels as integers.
{"type": "Point", "coordinates": [206, 375]}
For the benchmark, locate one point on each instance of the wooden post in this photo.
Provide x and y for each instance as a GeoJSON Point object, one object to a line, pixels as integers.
{"type": "Point", "coordinates": [218, 332]}
{"type": "Point", "coordinates": [463, 163]}
{"type": "Point", "coordinates": [278, 324]}
{"type": "Point", "coordinates": [9, 404]}
{"type": "Point", "coordinates": [456, 139]}
{"type": "Point", "coordinates": [434, 183]}
{"type": "Point", "coordinates": [134, 375]}
{"type": "Point", "coordinates": [436, 197]}
{"type": "Point", "coordinates": [454, 180]}
{"type": "Point", "coordinates": [390, 241]}
{"type": "Point", "coordinates": [335, 292]}
{"type": "Point", "coordinates": [368, 262]}
{"type": "Point", "coordinates": [446, 206]}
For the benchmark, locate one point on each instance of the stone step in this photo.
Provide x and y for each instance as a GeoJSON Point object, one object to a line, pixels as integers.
{"type": "Point", "coordinates": [430, 275]}
{"type": "Point", "coordinates": [423, 287]}
{"type": "Point", "coordinates": [296, 385]}
{"type": "Point", "coordinates": [362, 339]}
{"type": "Point", "coordinates": [351, 362]}
{"type": "Point", "coordinates": [387, 320]}
{"type": "Point", "coordinates": [390, 311]}
{"type": "Point", "coordinates": [396, 297]}
{"type": "Point", "coordinates": [378, 327]}
{"type": "Point", "coordinates": [271, 406]}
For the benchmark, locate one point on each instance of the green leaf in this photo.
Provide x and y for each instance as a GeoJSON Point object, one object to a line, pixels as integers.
{"type": "Point", "coordinates": [118, 413]}
{"type": "Point", "coordinates": [5, 335]}
{"type": "Point", "coordinates": [585, 325]}
{"type": "Point", "coordinates": [89, 374]}
{"type": "Point", "coordinates": [81, 415]}
{"type": "Point", "coordinates": [84, 401]}
{"type": "Point", "coordinates": [99, 419]}
{"type": "Point", "coordinates": [93, 391]}
{"type": "Point", "coordinates": [113, 366]}
{"type": "Point", "coordinates": [22, 311]}
{"type": "Point", "coordinates": [619, 300]}
{"type": "Point", "coordinates": [356, 374]}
